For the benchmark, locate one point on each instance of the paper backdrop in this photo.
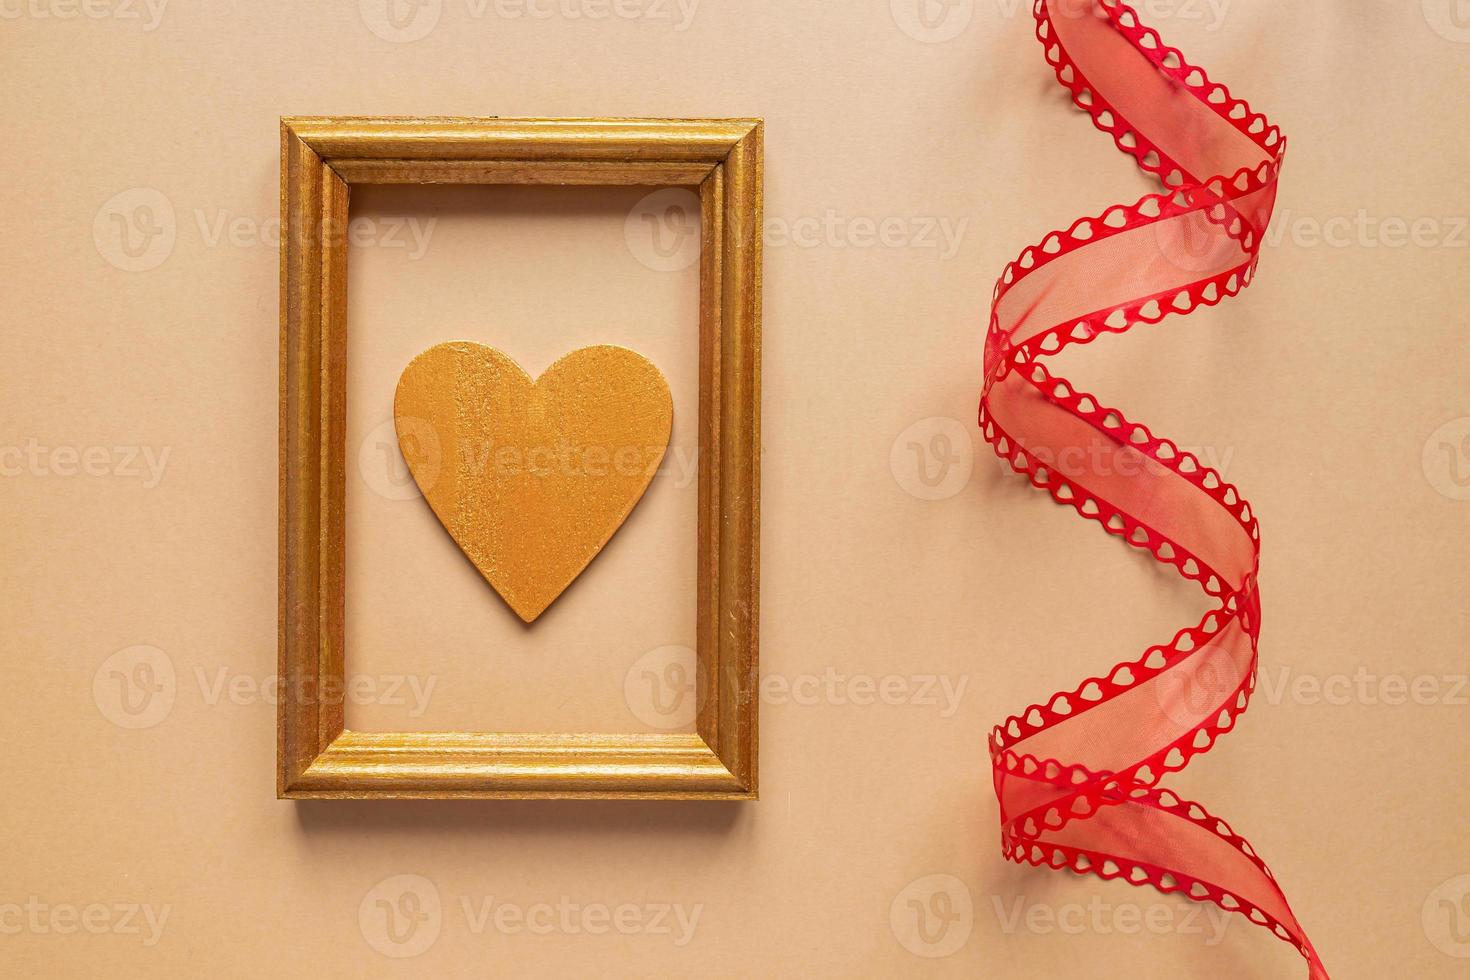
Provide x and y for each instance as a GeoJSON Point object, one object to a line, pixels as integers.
{"type": "Point", "coordinates": [910, 588]}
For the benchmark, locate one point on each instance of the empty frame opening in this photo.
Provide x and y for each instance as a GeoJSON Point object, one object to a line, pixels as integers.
{"type": "Point", "coordinates": [534, 272]}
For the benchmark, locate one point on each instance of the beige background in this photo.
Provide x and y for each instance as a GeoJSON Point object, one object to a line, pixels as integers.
{"type": "Point", "coordinates": [139, 605]}
{"type": "Point", "coordinates": [414, 604]}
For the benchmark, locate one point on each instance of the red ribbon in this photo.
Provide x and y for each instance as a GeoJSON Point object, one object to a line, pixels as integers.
{"type": "Point", "coordinates": [1078, 777]}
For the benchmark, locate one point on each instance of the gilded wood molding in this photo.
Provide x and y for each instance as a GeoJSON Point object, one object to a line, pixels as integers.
{"type": "Point", "coordinates": [321, 158]}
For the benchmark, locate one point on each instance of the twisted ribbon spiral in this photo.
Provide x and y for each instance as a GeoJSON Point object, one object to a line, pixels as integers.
{"type": "Point", "coordinates": [1078, 777]}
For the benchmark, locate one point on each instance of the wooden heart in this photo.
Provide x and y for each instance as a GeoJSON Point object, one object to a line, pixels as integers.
{"type": "Point", "coordinates": [532, 478]}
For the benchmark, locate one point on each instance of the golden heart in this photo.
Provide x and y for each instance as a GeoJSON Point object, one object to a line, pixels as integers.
{"type": "Point", "coordinates": [532, 478]}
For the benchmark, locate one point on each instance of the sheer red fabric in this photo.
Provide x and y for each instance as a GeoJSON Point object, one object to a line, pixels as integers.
{"type": "Point", "coordinates": [1078, 778]}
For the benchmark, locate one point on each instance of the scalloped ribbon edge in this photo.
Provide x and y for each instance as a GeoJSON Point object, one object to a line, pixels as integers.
{"type": "Point", "coordinates": [1089, 791]}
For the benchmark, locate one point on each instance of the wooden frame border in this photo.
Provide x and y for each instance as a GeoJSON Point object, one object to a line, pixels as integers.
{"type": "Point", "coordinates": [321, 158]}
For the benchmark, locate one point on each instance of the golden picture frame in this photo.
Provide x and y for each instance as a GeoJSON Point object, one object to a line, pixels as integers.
{"type": "Point", "coordinates": [321, 159]}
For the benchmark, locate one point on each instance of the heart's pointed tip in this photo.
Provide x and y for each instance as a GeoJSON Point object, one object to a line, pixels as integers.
{"type": "Point", "coordinates": [529, 615]}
